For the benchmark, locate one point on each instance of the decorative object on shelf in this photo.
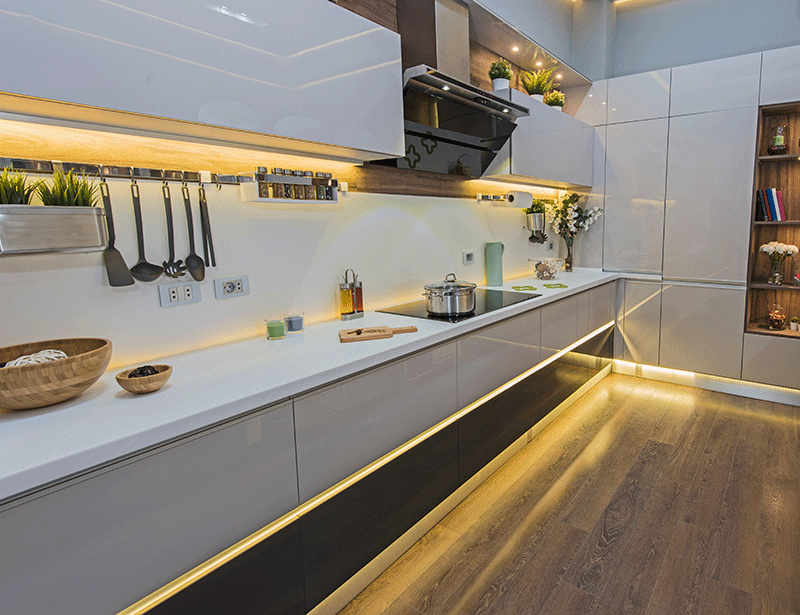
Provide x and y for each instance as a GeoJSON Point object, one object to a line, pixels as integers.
{"type": "Point", "coordinates": [276, 329]}
{"type": "Point", "coordinates": [68, 190]}
{"type": "Point", "coordinates": [776, 317]}
{"type": "Point", "coordinates": [37, 385]}
{"type": "Point", "coordinates": [14, 189]}
{"type": "Point", "coordinates": [294, 323]}
{"type": "Point", "coordinates": [555, 98]}
{"type": "Point", "coordinates": [568, 219]}
{"type": "Point", "coordinates": [796, 278]}
{"type": "Point", "coordinates": [539, 82]}
{"type": "Point", "coordinates": [794, 323]}
{"type": "Point", "coordinates": [777, 253]}
{"type": "Point", "coordinates": [351, 297]}
{"type": "Point", "coordinates": [778, 144]}
{"type": "Point", "coordinates": [144, 379]}
{"type": "Point", "coordinates": [546, 268]}
{"type": "Point", "coordinates": [501, 74]}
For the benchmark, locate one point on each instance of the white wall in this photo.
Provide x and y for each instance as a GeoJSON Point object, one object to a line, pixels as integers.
{"type": "Point", "coordinates": [294, 256]}
{"type": "Point", "coordinates": [677, 32]}
{"type": "Point", "coordinates": [547, 22]}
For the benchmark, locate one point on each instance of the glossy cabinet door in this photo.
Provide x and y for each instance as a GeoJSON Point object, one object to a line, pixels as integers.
{"type": "Point", "coordinates": [641, 322]}
{"type": "Point", "coordinates": [780, 76]}
{"type": "Point", "coordinates": [346, 426]}
{"type": "Point", "coordinates": [100, 544]}
{"type": "Point", "coordinates": [702, 329]}
{"type": "Point", "coordinates": [559, 325]}
{"type": "Point", "coordinates": [709, 195]}
{"type": "Point", "coordinates": [588, 250]}
{"type": "Point", "coordinates": [771, 360]}
{"type": "Point", "coordinates": [602, 306]}
{"type": "Point", "coordinates": [636, 168]}
{"type": "Point", "coordinates": [728, 83]}
{"type": "Point", "coordinates": [592, 108]}
{"type": "Point", "coordinates": [492, 356]}
{"type": "Point", "coordinates": [548, 145]}
{"type": "Point", "coordinates": [644, 96]}
{"type": "Point", "coordinates": [293, 69]}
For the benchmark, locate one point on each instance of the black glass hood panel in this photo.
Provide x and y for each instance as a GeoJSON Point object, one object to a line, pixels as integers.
{"type": "Point", "coordinates": [452, 127]}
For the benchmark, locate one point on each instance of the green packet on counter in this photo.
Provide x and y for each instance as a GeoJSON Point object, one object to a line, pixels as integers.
{"type": "Point", "coordinates": [556, 286]}
{"type": "Point", "coordinates": [523, 288]}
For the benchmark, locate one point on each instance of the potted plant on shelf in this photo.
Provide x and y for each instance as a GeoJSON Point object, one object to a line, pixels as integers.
{"type": "Point", "coordinates": [794, 323]}
{"type": "Point", "coordinates": [534, 219]}
{"type": "Point", "coordinates": [554, 98]}
{"type": "Point", "coordinates": [568, 219]}
{"type": "Point", "coordinates": [501, 74]}
{"type": "Point", "coordinates": [539, 82]}
{"type": "Point", "coordinates": [68, 190]}
{"type": "Point", "coordinates": [14, 189]}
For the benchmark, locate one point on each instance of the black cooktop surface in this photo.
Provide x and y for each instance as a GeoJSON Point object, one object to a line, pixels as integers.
{"type": "Point", "coordinates": [485, 301]}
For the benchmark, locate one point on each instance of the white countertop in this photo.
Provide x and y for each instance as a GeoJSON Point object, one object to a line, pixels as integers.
{"type": "Point", "coordinates": [39, 447]}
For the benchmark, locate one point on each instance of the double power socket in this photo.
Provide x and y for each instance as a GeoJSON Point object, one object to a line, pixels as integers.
{"type": "Point", "coordinates": [183, 293]}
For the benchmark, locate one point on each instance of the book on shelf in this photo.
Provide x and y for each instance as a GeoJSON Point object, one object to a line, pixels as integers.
{"type": "Point", "coordinates": [761, 208]}
{"type": "Point", "coordinates": [781, 211]}
{"type": "Point", "coordinates": [773, 206]}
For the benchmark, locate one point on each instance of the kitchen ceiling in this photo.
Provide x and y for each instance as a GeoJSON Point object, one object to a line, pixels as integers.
{"type": "Point", "coordinates": [492, 32]}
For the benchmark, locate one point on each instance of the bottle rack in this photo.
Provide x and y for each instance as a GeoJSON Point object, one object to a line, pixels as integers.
{"type": "Point", "coordinates": [252, 189]}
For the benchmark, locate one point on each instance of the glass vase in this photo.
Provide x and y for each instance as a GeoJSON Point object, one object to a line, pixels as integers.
{"type": "Point", "coordinates": [776, 317]}
{"type": "Point", "coordinates": [568, 259]}
{"type": "Point", "coordinates": [775, 276]}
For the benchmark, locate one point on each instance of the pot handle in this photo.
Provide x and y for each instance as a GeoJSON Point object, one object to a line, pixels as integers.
{"type": "Point", "coordinates": [447, 277]}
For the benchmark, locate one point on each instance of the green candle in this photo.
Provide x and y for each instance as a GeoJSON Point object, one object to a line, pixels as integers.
{"type": "Point", "coordinates": [276, 330]}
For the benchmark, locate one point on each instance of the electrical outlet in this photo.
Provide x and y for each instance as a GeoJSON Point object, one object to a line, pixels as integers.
{"type": "Point", "coordinates": [180, 293]}
{"type": "Point", "coordinates": [468, 258]}
{"type": "Point", "coordinates": [225, 288]}
{"type": "Point", "coordinates": [550, 246]}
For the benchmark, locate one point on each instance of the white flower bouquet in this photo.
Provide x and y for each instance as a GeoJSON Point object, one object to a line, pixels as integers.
{"type": "Point", "coordinates": [568, 219]}
{"type": "Point", "coordinates": [777, 253]}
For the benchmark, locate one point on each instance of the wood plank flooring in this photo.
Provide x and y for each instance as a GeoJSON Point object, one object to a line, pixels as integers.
{"type": "Point", "coordinates": [642, 498]}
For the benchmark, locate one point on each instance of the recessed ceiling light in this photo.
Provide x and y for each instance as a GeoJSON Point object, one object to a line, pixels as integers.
{"type": "Point", "coordinates": [505, 110]}
{"type": "Point", "coordinates": [591, 95]}
{"type": "Point", "coordinates": [515, 48]}
{"type": "Point", "coordinates": [445, 87]}
{"type": "Point", "coordinates": [559, 76]}
{"type": "Point", "coordinates": [539, 63]}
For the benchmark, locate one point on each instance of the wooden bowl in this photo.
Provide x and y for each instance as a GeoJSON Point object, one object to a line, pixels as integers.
{"type": "Point", "coordinates": [44, 384]}
{"type": "Point", "coordinates": [145, 384]}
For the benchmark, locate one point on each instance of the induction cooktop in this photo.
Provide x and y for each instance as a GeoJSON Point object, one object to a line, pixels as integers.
{"type": "Point", "coordinates": [485, 301]}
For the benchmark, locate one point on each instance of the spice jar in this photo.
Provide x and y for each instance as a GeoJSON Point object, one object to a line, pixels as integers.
{"type": "Point", "coordinates": [319, 181]}
{"type": "Point", "coordinates": [308, 190]}
{"type": "Point", "coordinates": [776, 317]}
{"type": "Point", "coordinates": [278, 186]}
{"type": "Point", "coordinates": [328, 187]}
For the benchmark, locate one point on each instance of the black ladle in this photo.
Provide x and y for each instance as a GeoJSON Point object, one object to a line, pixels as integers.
{"type": "Point", "coordinates": [172, 268]}
{"type": "Point", "coordinates": [195, 264]}
{"type": "Point", "coordinates": [142, 271]}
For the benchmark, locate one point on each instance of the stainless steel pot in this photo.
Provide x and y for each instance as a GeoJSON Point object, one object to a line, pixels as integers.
{"type": "Point", "coordinates": [450, 297]}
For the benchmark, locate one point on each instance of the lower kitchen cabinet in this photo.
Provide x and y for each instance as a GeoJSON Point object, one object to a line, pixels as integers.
{"type": "Point", "coordinates": [560, 324]}
{"type": "Point", "coordinates": [601, 310]}
{"type": "Point", "coordinates": [771, 360]}
{"type": "Point", "coordinates": [702, 328]}
{"type": "Point", "coordinates": [346, 426]}
{"type": "Point", "coordinates": [344, 533]}
{"type": "Point", "coordinates": [492, 356]}
{"type": "Point", "coordinates": [100, 544]}
{"type": "Point", "coordinates": [641, 322]}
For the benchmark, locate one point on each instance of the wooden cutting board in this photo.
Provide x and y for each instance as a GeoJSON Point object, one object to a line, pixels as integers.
{"type": "Point", "coordinates": [372, 333]}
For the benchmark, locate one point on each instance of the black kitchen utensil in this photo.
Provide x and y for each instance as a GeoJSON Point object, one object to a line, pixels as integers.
{"type": "Point", "coordinates": [116, 269]}
{"type": "Point", "coordinates": [142, 271]}
{"type": "Point", "coordinates": [208, 241]}
{"type": "Point", "coordinates": [195, 264]}
{"type": "Point", "coordinates": [172, 268]}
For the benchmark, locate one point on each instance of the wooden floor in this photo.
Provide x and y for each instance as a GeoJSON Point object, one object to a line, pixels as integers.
{"type": "Point", "coordinates": [643, 497]}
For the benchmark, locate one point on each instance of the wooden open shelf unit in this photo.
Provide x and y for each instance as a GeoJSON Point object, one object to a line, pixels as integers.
{"type": "Point", "coordinates": [783, 173]}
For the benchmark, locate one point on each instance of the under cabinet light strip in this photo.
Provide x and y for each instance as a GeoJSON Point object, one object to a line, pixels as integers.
{"type": "Point", "coordinates": [172, 588]}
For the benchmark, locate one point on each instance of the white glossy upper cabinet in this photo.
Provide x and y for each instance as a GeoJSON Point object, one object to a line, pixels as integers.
{"type": "Point", "coordinates": [702, 327]}
{"type": "Point", "coordinates": [636, 167]}
{"type": "Point", "coordinates": [295, 69]}
{"type": "Point", "coordinates": [643, 96]}
{"type": "Point", "coordinates": [587, 103]}
{"type": "Point", "coordinates": [719, 84]}
{"type": "Point", "coordinates": [709, 195]}
{"type": "Point", "coordinates": [548, 146]}
{"type": "Point", "coordinates": [780, 76]}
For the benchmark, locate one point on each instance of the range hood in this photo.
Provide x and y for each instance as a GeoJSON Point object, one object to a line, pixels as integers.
{"type": "Point", "coordinates": [450, 126]}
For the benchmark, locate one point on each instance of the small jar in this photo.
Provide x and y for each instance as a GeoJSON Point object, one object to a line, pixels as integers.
{"type": "Point", "coordinates": [308, 189]}
{"type": "Point", "coordinates": [299, 192]}
{"type": "Point", "coordinates": [328, 187]}
{"type": "Point", "coordinates": [276, 329]}
{"type": "Point", "coordinates": [294, 323]}
{"type": "Point", "coordinates": [776, 317]}
{"type": "Point", "coordinates": [278, 186]}
{"type": "Point", "coordinates": [319, 186]}
{"type": "Point", "coordinates": [288, 186]}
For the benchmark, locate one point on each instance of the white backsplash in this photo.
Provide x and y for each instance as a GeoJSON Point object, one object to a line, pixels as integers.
{"type": "Point", "coordinates": [294, 256]}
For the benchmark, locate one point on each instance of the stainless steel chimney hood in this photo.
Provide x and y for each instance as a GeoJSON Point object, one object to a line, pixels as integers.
{"type": "Point", "coordinates": [452, 127]}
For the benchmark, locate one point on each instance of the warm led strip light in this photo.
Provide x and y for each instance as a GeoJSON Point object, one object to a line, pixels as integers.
{"type": "Point", "coordinates": [209, 566]}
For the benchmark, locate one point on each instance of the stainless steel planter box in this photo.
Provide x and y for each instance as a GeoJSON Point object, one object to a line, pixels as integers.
{"type": "Point", "coordinates": [31, 229]}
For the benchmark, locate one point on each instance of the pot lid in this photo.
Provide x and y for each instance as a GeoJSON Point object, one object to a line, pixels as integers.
{"type": "Point", "coordinates": [450, 283]}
